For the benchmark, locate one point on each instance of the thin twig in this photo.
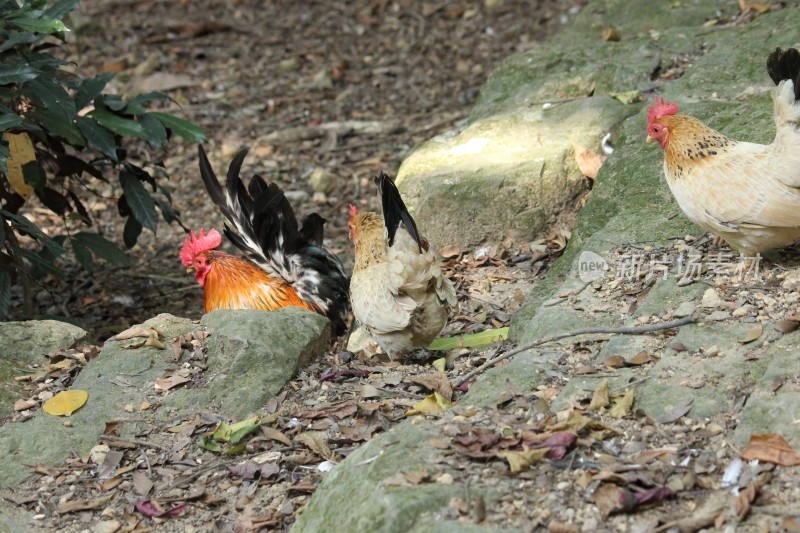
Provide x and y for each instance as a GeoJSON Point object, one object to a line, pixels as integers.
{"type": "Point", "coordinates": [624, 330]}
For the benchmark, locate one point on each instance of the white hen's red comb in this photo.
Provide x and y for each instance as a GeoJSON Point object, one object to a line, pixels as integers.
{"type": "Point", "coordinates": [661, 109]}
{"type": "Point", "coordinates": [195, 244]}
{"type": "Point", "coordinates": [353, 210]}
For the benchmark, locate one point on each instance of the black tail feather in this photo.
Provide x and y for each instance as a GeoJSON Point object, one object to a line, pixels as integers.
{"type": "Point", "coordinates": [211, 181]}
{"type": "Point", "coordinates": [395, 211]}
{"type": "Point", "coordinates": [313, 226]}
{"type": "Point", "coordinates": [785, 65]}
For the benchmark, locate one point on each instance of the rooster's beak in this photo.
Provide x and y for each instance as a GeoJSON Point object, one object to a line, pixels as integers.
{"type": "Point", "coordinates": [650, 140]}
{"type": "Point", "coordinates": [189, 269]}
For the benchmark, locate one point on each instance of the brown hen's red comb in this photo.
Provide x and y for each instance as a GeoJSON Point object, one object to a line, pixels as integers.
{"type": "Point", "coordinates": [353, 210]}
{"type": "Point", "coordinates": [195, 244]}
{"type": "Point", "coordinates": [661, 109]}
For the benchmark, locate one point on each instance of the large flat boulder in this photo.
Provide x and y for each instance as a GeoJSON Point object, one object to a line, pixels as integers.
{"type": "Point", "coordinates": [249, 357]}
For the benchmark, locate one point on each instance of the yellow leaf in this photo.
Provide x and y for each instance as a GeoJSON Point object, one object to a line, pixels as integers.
{"type": "Point", "coordinates": [623, 405]}
{"type": "Point", "coordinates": [65, 403]}
{"type": "Point", "coordinates": [440, 364]}
{"type": "Point", "coordinates": [519, 461]}
{"type": "Point", "coordinates": [435, 404]}
{"type": "Point", "coordinates": [22, 152]}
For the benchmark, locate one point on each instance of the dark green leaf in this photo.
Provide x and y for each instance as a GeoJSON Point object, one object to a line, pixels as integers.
{"type": "Point", "coordinates": [57, 124]}
{"type": "Point", "coordinates": [83, 255]}
{"type": "Point", "coordinates": [16, 71]}
{"type": "Point", "coordinates": [122, 206]}
{"type": "Point", "coordinates": [53, 200]}
{"type": "Point", "coordinates": [142, 174]}
{"type": "Point", "coordinates": [147, 97]}
{"type": "Point", "coordinates": [16, 38]}
{"type": "Point", "coordinates": [181, 127]}
{"type": "Point", "coordinates": [207, 444]}
{"type": "Point", "coordinates": [40, 265]}
{"type": "Point", "coordinates": [60, 8]}
{"type": "Point", "coordinates": [4, 155]}
{"type": "Point", "coordinates": [2, 231]}
{"type": "Point", "coordinates": [46, 64]}
{"type": "Point", "coordinates": [83, 213]}
{"type": "Point", "coordinates": [34, 174]}
{"type": "Point", "coordinates": [139, 200]}
{"type": "Point", "coordinates": [156, 133]}
{"type": "Point", "coordinates": [25, 225]}
{"type": "Point", "coordinates": [98, 136]}
{"type": "Point", "coordinates": [38, 24]}
{"type": "Point", "coordinates": [169, 213]}
{"type": "Point", "coordinates": [114, 102]}
{"type": "Point", "coordinates": [53, 95]}
{"type": "Point", "coordinates": [91, 89]}
{"type": "Point", "coordinates": [9, 120]}
{"type": "Point", "coordinates": [131, 232]}
{"type": "Point", "coordinates": [118, 124]}
{"type": "Point", "coordinates": [5, 289]}
{"type": "Point", "coordinates": [101, 247]}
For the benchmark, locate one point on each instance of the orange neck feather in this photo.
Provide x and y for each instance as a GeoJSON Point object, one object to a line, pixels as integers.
{"type": "Point", "coordinates": [234, 283]}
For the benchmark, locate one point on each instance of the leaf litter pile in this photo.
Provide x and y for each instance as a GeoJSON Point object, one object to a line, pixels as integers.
{"type": "Point", "coordinates": [324, 106]}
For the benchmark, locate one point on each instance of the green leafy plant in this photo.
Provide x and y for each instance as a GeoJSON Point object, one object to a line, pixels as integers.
{"type": "Point", "coordinates": [61, 135]}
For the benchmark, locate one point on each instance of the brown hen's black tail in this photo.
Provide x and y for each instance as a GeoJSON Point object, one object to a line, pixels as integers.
{"type": "Point", "coordinates": [395, 212]}
{"type": "Point", "coordinates": [785, 65]}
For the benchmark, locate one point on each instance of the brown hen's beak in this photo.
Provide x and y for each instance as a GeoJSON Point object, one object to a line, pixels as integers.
{"type": "Point", "coordinates": [189, 269]}
{"type": "Point", "coordinates": [650, 140]}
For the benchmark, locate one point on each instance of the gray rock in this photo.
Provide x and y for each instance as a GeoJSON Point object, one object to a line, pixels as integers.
{"type": "Point", "coordinates": [685, 309]}
{"type": "Point", "coordinates": [505, 175]}
{"type": "Point", "coordinates": [26, 343]}
{"type": "Point", "coordinates": [251, 355]}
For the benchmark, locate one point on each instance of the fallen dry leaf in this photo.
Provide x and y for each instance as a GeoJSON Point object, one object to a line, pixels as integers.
{"type": "Point", "coordinates": [434, 382]}
{"type": "Point", "coordinates": [83, 505]}
{"type": "Point", "coordinates": [786, 326]}
{"type": "Point", "coordinates": [771, 448]}
{"type": "Point", "coordinates": [675, 412]}
{"type": "Point", "coordinates": [434, 404]}
{"type": "Point", "coordinates": [317, 442]}
{"type": "Point", "coordinates": [600, 397]}
{"type": "Point", "coordinates": [519, 461]}
{"type": "Point", "coordinates": [753, 333]}
{"type": "Point", "coordinates": [589, 162]}
{"type": "Point", "coordinates": [165, 384]}
{"type": "Point", "coordinates": [622, 406]}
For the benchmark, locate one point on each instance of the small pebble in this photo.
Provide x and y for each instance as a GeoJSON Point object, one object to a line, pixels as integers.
{"type": "Point", "coordinates": [711, 299]}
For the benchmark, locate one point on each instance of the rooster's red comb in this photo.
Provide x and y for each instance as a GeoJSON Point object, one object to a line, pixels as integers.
{"type": "Point", "coordinates": [661, 109]}
{"type": "Point", "coordinates": [195, 244]}
{"type": "Point", "coordinates": [353, 210]}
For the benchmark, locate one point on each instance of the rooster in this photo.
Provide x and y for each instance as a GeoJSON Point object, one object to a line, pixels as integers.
{"type": "Point", "coordinates": [398, 291]}
{"type": "Point", "coordinates": [288, 265]}
{"type": "Point", "coordinates": [747, 194]}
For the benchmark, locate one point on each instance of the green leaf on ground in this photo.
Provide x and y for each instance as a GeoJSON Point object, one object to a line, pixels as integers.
{"type": "Point", "coordinates": [471, 340]}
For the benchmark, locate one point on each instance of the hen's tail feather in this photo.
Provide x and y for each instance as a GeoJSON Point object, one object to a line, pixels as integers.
{"type": "Point", "coordinates": [261, 222]}
{"type": "Point", "coordinates": [395, 212]}
{"type": "Point", "coordinates": [785, 65]}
